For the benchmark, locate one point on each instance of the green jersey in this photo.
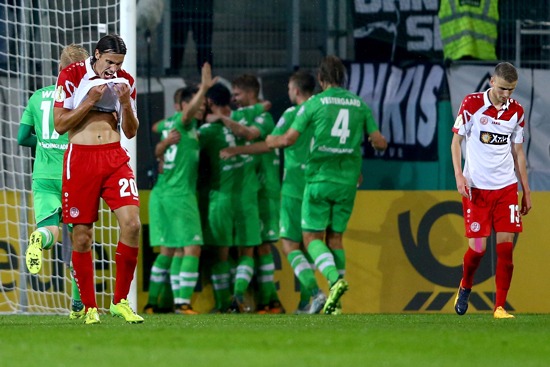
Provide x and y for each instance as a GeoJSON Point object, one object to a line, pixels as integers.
{"type": "Point", "coordinates": [228, 176]}
{"type": "Point", "coordinates": [181, 160]}
{"type": "Point", "coordinates": [295, 155]}
{"type": "Point", "coordinates": [339, 120]}
{"type": "Point", "coordinates": [267, 164]}
{"type": "Point", "coordinates": [50, 146]}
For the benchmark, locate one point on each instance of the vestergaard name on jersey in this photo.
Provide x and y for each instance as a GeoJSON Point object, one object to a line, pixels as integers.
{"type": "Point", "coordinates": [341, 101]}
{"type": "Point", "coordinates": [487, 137]}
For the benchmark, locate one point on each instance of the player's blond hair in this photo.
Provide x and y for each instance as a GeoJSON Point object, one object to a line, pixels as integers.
{"type": "Point", "coordinates": [72, 53]}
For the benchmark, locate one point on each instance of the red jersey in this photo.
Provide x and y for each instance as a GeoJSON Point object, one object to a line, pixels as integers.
{"type": "Point", "coordinates": [489, 133]}
{"type": "Point", "coordinates": [74, 82]}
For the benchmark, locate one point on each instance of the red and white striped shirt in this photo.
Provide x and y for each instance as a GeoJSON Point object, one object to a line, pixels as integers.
{"type": "Point", "coordinates": [489, 134]}
{"type": "Point", "coordinates": [74, 82]}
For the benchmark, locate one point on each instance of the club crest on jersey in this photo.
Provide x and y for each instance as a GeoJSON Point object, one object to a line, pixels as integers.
{"type": "Point", "coordinates": [59, 94]}
{"type": "Point", "coordinates": [483, 120]}
{"type": "Point", "coordinates": [487, 137]}
{"type": "Point", "coordinates": [475, 227]}
{"type": "Point", "coordinates": [74, 212]}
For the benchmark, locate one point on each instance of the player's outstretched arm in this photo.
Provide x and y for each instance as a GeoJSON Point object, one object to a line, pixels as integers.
{"type": "Point", "coordinates": [282, 141]}
{"type": "Point", "coordinates": [198, 99]}
{"type": "Point", "coordinates": [256, 148]}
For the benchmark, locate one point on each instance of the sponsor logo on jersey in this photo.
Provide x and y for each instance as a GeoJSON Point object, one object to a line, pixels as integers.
{"type": "Point", "coordinates": [59, 94]}
{"type": "Point", "coordinates": [487, 137]}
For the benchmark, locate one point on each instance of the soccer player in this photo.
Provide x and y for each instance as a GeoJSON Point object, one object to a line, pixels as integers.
{"type": "Point", "coordinates": [491, 123]}
{"type": "Point", "coordinates": [301, 85]}
{"type": "Point", "coordinates": [47, 171]}
{"type": "Point", "coordinates": [95, 102]}
{"type": "Point", "coordinates": [339, 120]}
{"type": "Point", "coordinates": [232, 218]}
{"type": "Point", "coordinates": [246, 89]}
{"type": "Point", "coordinates": [174, 197]}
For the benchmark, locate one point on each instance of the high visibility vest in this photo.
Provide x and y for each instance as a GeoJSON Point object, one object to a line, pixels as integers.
{"type": "Point", "coordinates": [469, 28]}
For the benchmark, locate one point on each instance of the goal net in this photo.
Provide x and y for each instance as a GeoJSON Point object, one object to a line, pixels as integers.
{"type": "Point", "coordinates": [32, 35]}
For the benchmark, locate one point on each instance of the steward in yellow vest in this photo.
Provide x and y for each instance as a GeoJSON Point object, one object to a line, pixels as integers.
{"type": "Point", "coordinates": [469, 29]}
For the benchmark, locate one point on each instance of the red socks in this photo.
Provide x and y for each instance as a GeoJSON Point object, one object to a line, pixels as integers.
{"type": "Point", "coordinates": [126, 260]}
{"type": "Point", "coordinates": [470, 265]}
{"type": "Point", "coordinates": [83, 268]}
{"type": "Point", "coordinates": [505, 268]}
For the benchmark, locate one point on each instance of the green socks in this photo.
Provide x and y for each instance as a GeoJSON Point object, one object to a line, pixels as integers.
{"type": "Point", "coordinates": [245, 271]}
{"type": "Point", "coordinates": [324, 260]}
{"type": "Point", "coordinates": [157, 280]}
{"type": "Point", "coordinates": [221, 283]}
{"type": "Point", "coordinates": [305, 274]}
{"type": "Point", "coordinates": [189, 275]}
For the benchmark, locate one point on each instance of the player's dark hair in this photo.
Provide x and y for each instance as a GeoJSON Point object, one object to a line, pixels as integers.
{"type": "Point", "coordinates": [219, 95]}
{"type": "Point", "coordinates": [187, 93]}
{"type": "Point", "coordinates": [332, 71]}
{"type": "Point", "coordinates": [304, 81]}
{"type": "Point", "coordinates": [110, 44]}
{"type": "Point", "coordinates": [506, 71]}
{"type": "Point", "coordinates": [177, 95]}
{"type": "Point", "coordinates": [247, 82]}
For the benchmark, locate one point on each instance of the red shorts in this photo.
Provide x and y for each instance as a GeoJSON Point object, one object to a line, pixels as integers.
{"type": "Point", "coordinates": [492, 209]}
{"type": "Point", "coordinates": [91, 172]}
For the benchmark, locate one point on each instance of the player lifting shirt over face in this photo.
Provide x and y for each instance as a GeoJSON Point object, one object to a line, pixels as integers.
{"type": "Point", "coordinates": [94, 102]}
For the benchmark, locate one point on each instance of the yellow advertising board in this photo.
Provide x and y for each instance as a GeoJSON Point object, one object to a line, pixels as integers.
{"type": "Point", "coordinates": [404, 254]}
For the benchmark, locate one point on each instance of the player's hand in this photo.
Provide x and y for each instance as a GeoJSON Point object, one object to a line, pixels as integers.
{"type": "Point", "coordinates": [95, 93]}
{"type": "Point", "coordinates": [123, 92]}
{"type": "Point", "coordinates": [462, 186]}
{"type": "Point", "coordinates": [270, 141]}
{"type": "Point", "coordinates": [525, 203]}
{"type": "Point", "coordinates": [228, 153]}
{"type": "Point", "coordinates": [206, 76]}
{"type": "Point", "coordinates": [173, 137]}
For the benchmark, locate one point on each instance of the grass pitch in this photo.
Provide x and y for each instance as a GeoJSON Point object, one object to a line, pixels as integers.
{"type": "Point", "coordinates": [282, 340]}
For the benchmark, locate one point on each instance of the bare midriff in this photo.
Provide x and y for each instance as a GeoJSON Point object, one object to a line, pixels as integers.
{"type": "Point", "coordinates": [95, 129]}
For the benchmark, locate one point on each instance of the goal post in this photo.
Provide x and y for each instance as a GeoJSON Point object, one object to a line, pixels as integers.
{"type": "Point", "coordinates": [32, 35]}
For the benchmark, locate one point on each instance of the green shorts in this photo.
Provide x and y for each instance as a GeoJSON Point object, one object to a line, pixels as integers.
{"type": "Point", "coordinates": [233, 220]}
{"type": "Point", "coordinates": [327, 204]}
{"type": "Point", "coordinates": [47, 202]}
{"type": "Point", "coordinates": [290, 223]}
{"type": "Point", "coordinates": [174, 221]}
{"type": "Point", "coordinates": [269, 217]}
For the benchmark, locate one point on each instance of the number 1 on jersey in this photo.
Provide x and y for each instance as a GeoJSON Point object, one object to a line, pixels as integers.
{"type": "Point", "coordinates": [340, 129]}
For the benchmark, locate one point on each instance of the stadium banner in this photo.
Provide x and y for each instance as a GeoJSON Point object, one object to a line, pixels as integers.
{"type": "Point", "coordinates": [531, 94]}
{"type": "Point", "coordinates": [391, 31]}
{"type": "Point", "coordinates": [404, 103]}
{"type": "Point", "coordinates": [404, 254]}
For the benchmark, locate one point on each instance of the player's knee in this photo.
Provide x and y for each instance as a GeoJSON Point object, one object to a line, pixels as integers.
{"type": "Point", "coordinates": [131, 226]}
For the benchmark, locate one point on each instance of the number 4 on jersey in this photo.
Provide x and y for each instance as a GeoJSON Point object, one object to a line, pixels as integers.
{"type": "Point", "coordinates": [340, 128]}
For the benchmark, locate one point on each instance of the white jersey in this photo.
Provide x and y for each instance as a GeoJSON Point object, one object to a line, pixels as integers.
{"type": "Point", "coordinates": [489, 133]}
{"type": "Point", "coordinates": [74, 82]}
